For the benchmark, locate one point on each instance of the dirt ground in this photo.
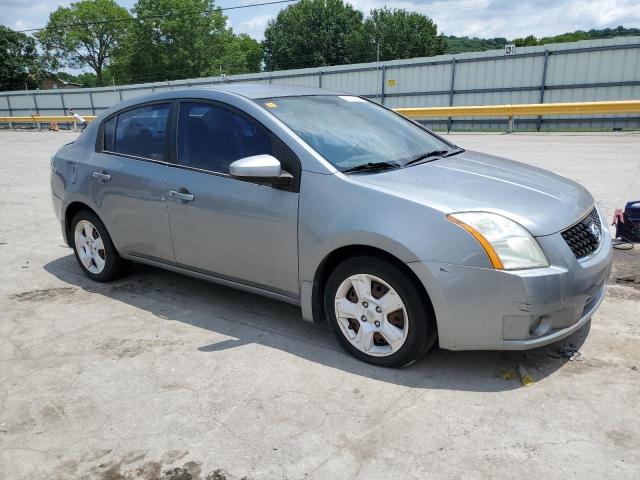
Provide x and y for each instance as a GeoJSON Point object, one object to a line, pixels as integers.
{"type": "Point", "coordinates": [162, 376]}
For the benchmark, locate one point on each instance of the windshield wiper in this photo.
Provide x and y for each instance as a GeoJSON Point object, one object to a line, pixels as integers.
{"type": "Point", "coordinates": [372, 167]}
{"type": "Point", "coordinates": [432, 154]}
{"type": "Point", "coordinates": [455, 151]}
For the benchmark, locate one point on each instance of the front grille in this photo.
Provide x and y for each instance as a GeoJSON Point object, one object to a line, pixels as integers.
{"type": "Point", "coordinates": [585, 236]}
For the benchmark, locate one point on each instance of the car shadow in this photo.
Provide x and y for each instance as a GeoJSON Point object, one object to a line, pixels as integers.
{"type": "Point", "coordinates": [252, 319]}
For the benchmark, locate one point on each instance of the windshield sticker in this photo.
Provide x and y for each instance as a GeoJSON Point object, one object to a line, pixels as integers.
{"type": "Point", "coordinates": [349, 98]}
{"type": "Point", "coordinates": [271, 105]}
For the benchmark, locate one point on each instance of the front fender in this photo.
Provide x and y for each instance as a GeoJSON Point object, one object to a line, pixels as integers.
{"type": "Point", "coordinates": [337, 211]}
{"type": "Point", "coordinates": [315, 256]}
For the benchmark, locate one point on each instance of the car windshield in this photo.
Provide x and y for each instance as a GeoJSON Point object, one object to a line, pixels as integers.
{"type": "Point", "coordinates": [351, 132]}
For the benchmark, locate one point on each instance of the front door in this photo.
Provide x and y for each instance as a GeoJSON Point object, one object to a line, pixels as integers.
{"type": "Point", "coordinates": [237, 230]}
{"type": "Point", "coordinates": [128, 181]}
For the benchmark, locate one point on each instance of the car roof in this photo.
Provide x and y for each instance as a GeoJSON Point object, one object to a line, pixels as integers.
{"type": "Point", "coordinates": [251, 91]}
{"type": "Point", "coordinates": [264, 90]}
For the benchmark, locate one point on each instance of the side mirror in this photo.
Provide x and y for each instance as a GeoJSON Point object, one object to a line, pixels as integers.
{"type": "Point", "coordinates": [261, 169]}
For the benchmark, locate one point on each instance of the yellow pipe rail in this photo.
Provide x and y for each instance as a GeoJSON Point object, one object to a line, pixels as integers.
{"type": "Point", "coordinates": [508, 111]}
{"type": "Point", "coordinates": [45, 119]}
{"type": "Point", "coordinates": [523, 110]}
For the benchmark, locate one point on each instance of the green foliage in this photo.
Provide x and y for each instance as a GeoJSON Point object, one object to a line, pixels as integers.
{"type": "Point", "coordinates": [237, 54]}
{"type": "Point", "coordinates": [466, 44]}
{"type": "Point", "coordinates": [174, 39]}
{"type": "Point", "coordinates": [578, 35]}
{"type": "Point", "coordinates": [20, 63]}
{"type": "Point", "coordinates": [188, 43]}
{"type": "Point", "coordinates": [86, 79]}
{"type": "Point", "coordinates": [87, 33]}
{"type": "Point", "coordinates": [590, 35]}
{"type": "Point", "coordinates": [252, 52]}
{"type": "Point", "coordinates": [526, 41]}
{"type": "Point", "coordinates": [402, 34]}
{"type": "Point", "coordinates": [313, 33]}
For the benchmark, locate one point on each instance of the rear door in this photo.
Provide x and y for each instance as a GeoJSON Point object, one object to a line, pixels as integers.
{"type": "Point", "coordinates": [129, 180]}
{"type": "Point", "coordinates": [237, 230]}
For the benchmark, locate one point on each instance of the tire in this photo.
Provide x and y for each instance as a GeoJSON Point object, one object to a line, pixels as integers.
{"type": "Point", "coordinates": [97, 256]}
{"type": "Point", "coordinates": [414, 321]}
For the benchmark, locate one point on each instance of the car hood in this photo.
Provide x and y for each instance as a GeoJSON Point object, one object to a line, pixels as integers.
{"type": "Point", "coordinates": [541, 201]}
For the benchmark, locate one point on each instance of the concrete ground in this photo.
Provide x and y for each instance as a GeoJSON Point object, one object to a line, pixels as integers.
{"type": "Point", "coordinates": [162, 376]}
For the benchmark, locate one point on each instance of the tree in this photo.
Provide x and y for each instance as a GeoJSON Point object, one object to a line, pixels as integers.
{"type": "Point", "coordinates": [591, 34]}
{"type": "Point", "coordinates": [526, 41]}
{"type": "Point", "coordinates": [313, 33]}
{"type": "Point", "coordinates": [87, 33]}
{"type": "Point", "coordinates": [402, 34]}
{"type": "Point", "coordinates": [87, 79]}
{"type": "Point", "coordinates": [252, 52]}
{"type": "Point", "coordinates": [180, 39]}
{"type": "Point", "coordinates": [466, 44]}
{"type": "Point", "coordinates": [20, 63]}
{"type": "Point", "coordinates": [237, 54]}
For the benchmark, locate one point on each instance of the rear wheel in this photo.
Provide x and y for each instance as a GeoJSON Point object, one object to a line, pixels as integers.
{"type": "Point", "coordinates": [378, 313]}
{"type": "Point", "coordinates": [94, 249]}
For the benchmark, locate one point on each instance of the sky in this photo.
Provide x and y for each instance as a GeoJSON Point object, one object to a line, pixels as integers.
{"type": "Point", "coordinates": [479, 18]}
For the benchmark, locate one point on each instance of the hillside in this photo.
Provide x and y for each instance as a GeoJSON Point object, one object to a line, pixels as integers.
{"type": "Point", "coordinates": [466, 44]}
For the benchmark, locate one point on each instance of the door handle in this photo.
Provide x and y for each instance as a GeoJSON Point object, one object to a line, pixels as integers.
{"type": "Point", "coordinates": [183, 195]}
{"type": "Point", "coordinates": [103, 176]}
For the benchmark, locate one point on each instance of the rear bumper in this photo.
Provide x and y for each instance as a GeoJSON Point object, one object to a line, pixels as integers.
{"type": "Point", "coordinates": [57, 203]}
{"type": "Point", "coordinates": [486, 309]}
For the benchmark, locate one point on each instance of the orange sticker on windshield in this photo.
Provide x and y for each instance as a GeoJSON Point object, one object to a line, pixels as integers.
{"type": "Point", "coordinates": [271, 105]}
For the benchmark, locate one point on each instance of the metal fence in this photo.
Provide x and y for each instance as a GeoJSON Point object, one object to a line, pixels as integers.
{"type": "Point", "coordinates": [592, 70]}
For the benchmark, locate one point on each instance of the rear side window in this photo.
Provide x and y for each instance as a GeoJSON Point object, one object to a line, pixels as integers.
{"type": "Point", "coordinates": [211, 137]}
{"type": "Point", "coordinates": [109, 132]}
{"type": "Point", "coordinates": [141, 132]}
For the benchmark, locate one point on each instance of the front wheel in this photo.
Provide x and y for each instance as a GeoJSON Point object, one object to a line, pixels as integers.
{"type": "Point", "coordinates": [378, 313]}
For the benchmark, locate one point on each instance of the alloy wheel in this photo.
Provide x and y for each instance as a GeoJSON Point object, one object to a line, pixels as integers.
{"type": "Point", "coordinates": [90, 247]}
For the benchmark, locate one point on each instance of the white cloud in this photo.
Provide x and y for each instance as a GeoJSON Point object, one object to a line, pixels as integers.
{"type": "Point", "coordinates": [254, 26]}
{"type": "Point", "coordinates": [511, 19]}
{"type": "Point", "coordinates": [27, 14]}
{"type": "Point", "coordinates": [607, 12]}
{"type": "Point", "coordinates": [20, 25]}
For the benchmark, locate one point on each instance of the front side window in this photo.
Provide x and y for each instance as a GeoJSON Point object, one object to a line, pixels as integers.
{"type": "Point", "coordinates": [350, 131]}
{"type": "Point", "coordinates": [141, 132]}
{"type": "Point", "coordinates": [211, 137]}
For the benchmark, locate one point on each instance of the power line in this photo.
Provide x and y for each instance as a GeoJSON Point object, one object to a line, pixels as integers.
{"type": "Point", "coordinates": [363, 55]}
{"type": "Point", "coordinates": [154, 17]}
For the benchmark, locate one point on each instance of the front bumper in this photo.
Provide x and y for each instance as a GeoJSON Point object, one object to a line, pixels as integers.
{"type": "Point", "coordinates": [486, 309]}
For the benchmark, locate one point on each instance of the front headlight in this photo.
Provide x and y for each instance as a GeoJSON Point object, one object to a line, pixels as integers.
{"type": "Point", "coordinates": [508, 245]}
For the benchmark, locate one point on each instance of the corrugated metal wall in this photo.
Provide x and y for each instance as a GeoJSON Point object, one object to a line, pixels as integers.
{"type": "Point", "coordinates": [566, 72]}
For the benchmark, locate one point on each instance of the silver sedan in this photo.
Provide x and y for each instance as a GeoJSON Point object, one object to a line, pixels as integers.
{"type": "Point", "coordinates": [329, 201]}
